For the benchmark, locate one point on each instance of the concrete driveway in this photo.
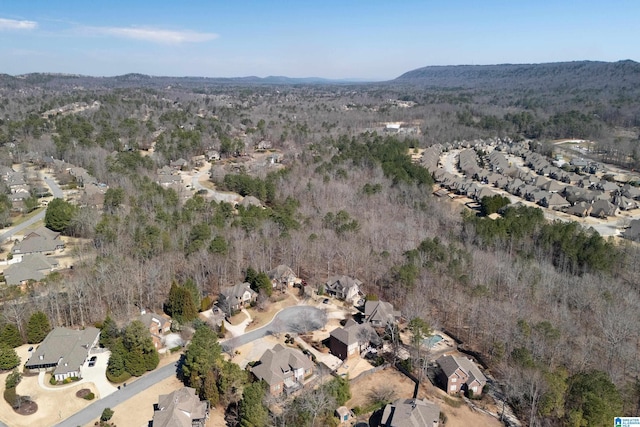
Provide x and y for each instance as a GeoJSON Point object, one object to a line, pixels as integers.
{"type": "Point", "coordinates": [94, 374]}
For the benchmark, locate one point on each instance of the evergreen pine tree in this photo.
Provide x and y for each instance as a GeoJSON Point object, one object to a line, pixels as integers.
{"type": "Point", "coordinates": [38, 327]}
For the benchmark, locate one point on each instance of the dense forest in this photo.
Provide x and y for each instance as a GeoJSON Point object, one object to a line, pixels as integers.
{"type": "Point", "coordinates": [550, 308]}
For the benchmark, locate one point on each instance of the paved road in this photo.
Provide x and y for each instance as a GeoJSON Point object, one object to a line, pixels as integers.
{"type": "Point", "coordinates": [94, 410]}
{"type": "Point", "coordinates": [218, 196]}
{"type": "Point", "coordinates": [299, 318]}
{"type": "Point", "coordinates": [55, 190]}
{"type": "Point", "coordinates": [292, 319]}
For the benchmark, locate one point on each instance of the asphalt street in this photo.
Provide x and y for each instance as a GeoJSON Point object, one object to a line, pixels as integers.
{"type": "Point", "coordinates": [94, 410]}
{"type": "Point", "coordinates": [291, 319]}
{"type": "Point", "coordinates": [55, 190]}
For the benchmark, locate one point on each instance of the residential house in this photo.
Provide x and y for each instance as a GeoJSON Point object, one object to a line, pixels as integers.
{"type": "Point", "coordinates": [579, 163]}
{"type": "Point", "coordinates": [380, 313]}
{"type": "Point", "coordinates": [282, 277]}
{"type": "Point", "coordinates": [555, 201]}
{"type": "Point", "coordinates": [64, 351]}
{"type": "Point", "coordinates": [82, 176]}
{"type": "Point", "coordinates": [485, 192]}
{"type": "Point", "coordinates": [158, 326]}
{"type": "Point", "coordinates": [461, 374]}
{"type": "Point", "coordinates": [198, 161]}
{"type": "Point", "coordinates": [352, 339]}
{"type": "Point", "coordinates": [32, 267]}
{"type": "Point", "coordinates": [181, 408]}
{"type": "Point", "coordinates": [42, 240]}
{"type": "Point", "coordinates": [411, 413]}
{"type": "Point", "coordinates": [624, 203]}
{"type": "Point", "coordinates": [283, 369]}
{"type": "Point", "coordinates": [179, 164]}
{"type": "Point", "coordinates": [93, 195]}
{"type": "Point", "coordinates": [603, 209]}
{"type": "Point", "coordinates": [633, 232]}
{"type": "Point", "coordinates": [606, 186]}
{"type": "Point", "coordinates": [343, 287]}
{"type": "Point", "coordinates": [581, 209]}
{"type": "Point", "coordinates": [212, 155]}
{"type": "Point", "coordinates": [553, 187]}
{"type": "Point", "coordinates": [236, 297]}
{"type": "Point", "coordinates": [631, 192]}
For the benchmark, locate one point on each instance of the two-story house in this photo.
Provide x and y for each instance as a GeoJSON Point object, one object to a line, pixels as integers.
{"type": "Point", "coordinates": [182, 408]}
{"type": "Point", "coordinates": [236, 297]}
{"type": "Point", "coordinates": [283, 277]}
{"type": "Point", "coordinates": [343, 287]}
{"type": "Point", "coordinates": [380, 313]}
{"type": "Point", "coordinates": [352, 339]}
{"type": "Point", "coordinates": [157, 325]}
{"type": "Point", "coordinates": [283, 369]}
{"type": "Point", "coordinates": [460, 374]}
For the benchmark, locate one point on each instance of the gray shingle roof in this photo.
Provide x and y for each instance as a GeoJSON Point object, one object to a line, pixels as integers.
{"type": "Point", "coordinates": [353, 332]}
{"type": "Point", "coordinates": [179, 409]}
{"type": "Point", "coordinates": [32, 267]}
{"type": "Point", "coordinates": [66, 348]}
{"type": "Point", "coordinates": [380, 311]}
{"type": "Point", "coordinates": [235, 292]}
{"type": "Point", "coordinates": [449, 364]}
{"type": "Point", "coordinates": [40, 240]}
{"type": "Point", "coordinates": [277, 362]}
{"type": "Point", "coordinates": [411, 413]}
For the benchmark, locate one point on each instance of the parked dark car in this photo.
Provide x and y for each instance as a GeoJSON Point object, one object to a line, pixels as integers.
{"type": "Point", "coordinates": [325, 301]}
{"type": "Point", "coordinates": [92, 361]}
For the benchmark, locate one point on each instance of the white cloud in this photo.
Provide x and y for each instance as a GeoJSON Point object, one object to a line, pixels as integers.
{"type": "Point", "coordinates": [12, 24]}
{"type": "Point", "coordinates": [153, 34]}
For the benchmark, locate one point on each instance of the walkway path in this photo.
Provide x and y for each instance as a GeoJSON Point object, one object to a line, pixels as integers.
{"type": "Point", "coordinates": [237, 330]}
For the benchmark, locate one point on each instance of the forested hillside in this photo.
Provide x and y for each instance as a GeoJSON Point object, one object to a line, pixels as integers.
{"type": "Point", "coordinates": [551, 308]}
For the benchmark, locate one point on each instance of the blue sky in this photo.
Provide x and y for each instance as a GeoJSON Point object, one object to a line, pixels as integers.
{"type": "Point", "coordinates": [375, 40]}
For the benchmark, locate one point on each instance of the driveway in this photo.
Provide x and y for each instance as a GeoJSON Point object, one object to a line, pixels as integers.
{"type": "Point", "coordinates": [90, 374]}
{"type": "Point", "coordinates": [299, 318]}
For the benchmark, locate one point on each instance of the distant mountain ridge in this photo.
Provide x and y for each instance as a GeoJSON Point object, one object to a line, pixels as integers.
{"type": "Point", "coordinates": [58, 80]}
{"type": "Point", "coordinates": [585, 74]}
{"type": "Point", "coordinates": [619, 76]}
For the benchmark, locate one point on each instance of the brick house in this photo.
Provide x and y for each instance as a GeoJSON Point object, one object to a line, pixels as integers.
{"type": "Point", "coordinates": [461, 374]}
